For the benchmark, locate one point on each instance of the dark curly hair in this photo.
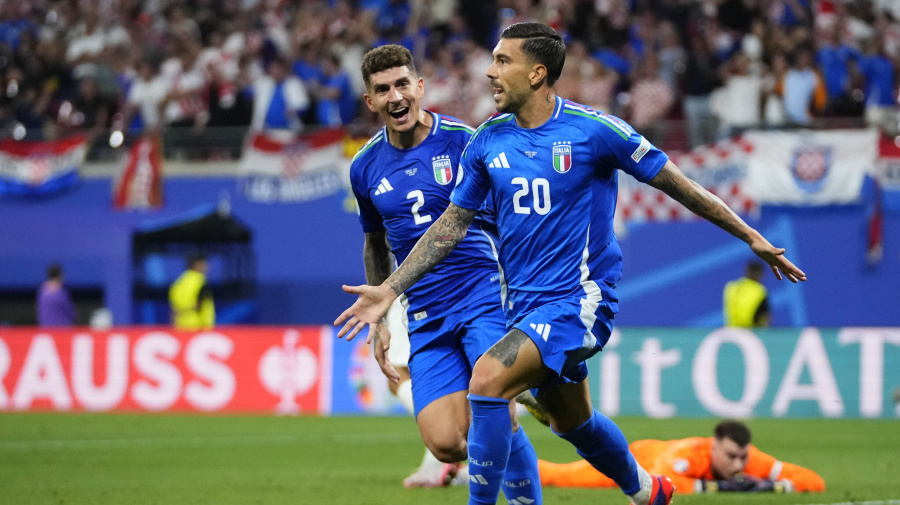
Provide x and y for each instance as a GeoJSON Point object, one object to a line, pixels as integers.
{"type": "Point", "coordinates": [384, 58]}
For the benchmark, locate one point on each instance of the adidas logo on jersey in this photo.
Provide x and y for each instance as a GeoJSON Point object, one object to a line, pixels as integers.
{"type": "Point", "coordinates": [542, 329]}
{"type": "Point", "coordinates": [384, 186]}
{"type": "Point", "coordinates": [499, 162]}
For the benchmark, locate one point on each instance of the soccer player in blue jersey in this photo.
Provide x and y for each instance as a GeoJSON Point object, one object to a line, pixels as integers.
{"type": "Point", "coordinates": [402, 179]}
{"type": "Point", "coordinates": [550, 168]}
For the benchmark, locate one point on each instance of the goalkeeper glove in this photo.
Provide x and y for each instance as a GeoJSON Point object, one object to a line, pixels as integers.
{"type": "Point", "coordinates": [745, 483]}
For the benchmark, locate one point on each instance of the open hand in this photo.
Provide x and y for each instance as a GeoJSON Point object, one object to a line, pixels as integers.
{"type": "Point", "coordinates": [774, 256]}
{"type": "Point", "coordinates": [372, 304]}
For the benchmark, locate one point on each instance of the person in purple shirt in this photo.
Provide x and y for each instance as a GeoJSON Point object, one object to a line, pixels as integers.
{"type": "Point", "coordinates": [54, 306]}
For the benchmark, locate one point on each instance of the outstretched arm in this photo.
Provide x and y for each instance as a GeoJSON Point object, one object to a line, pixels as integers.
{"type": "Point", "coordinates": [431, 249]}
{"type": "Point", "coordinates": [687, 192]}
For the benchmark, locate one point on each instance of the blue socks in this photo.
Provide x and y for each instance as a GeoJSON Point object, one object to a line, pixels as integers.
{"type": "Point", "coordinates": [490, 437]}
{"type": "Point", "coordinates": [602, 444]}
{"type": "Point", "coordinates": [522, 482]}
{"type": "Point", "coordinates": [498, 457]}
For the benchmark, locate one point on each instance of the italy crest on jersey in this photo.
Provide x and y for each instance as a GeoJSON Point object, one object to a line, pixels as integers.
{"type": "Point", "coordinates": [443, 169]}
{"type": "Point", "coordinates": [562, 156]}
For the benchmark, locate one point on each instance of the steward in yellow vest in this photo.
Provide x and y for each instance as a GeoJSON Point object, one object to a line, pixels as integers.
{"type": "Point", "coordinates": [191, 298]}
{"type": "Point", "coordinates": [745, 300]}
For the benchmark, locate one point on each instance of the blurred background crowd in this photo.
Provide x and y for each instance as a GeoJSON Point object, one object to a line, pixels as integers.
{"type": "Point", "coordinates": [205, 72]}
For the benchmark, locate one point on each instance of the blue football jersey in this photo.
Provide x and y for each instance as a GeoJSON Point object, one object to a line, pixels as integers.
{"type": "Point", "coordinates": [554, 191]}
{"type": "Point", "coordinates": [404, 191]}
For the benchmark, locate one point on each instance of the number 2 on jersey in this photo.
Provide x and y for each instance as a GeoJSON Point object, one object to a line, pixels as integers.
{"type": "Point", "coordinates": [420, 201]}
{"type": "Point", "coordinates": [540, 190]}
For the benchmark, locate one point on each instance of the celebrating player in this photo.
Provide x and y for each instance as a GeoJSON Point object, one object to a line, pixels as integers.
{"type": "Point", "coordinates": [550, 167]}
{"type": "Point", "coordinates": [402, 179]}
{"type": "Point", "coordinates": [722, 463]}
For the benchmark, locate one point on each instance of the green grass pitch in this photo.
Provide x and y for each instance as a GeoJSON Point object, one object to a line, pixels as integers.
{"type": "Point", "coordinates": [73, 459]}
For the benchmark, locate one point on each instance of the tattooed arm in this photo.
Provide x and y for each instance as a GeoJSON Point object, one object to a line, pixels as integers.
{"type": "Point", "coordinates": [377, 258]}
{"type": "Point", "coordinates": [378, 263]}
{"type": "Point", "coordinates": [435, 245]}
{"type": "Point", "coordinates": [431, 249]}
{"type": "Point", "coordinates": [687, 192]}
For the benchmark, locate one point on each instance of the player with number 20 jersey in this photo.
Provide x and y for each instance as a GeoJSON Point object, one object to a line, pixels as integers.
{"type": "Point", "coordinates": [554, 190]}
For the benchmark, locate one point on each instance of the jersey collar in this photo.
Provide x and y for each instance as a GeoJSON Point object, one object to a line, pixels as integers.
{"type": "Point", "coordinates": [435, 128]}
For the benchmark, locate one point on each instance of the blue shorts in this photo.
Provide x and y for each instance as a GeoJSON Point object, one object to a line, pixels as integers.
{"type": "Point", "coordinates": [560, 331]}
{"type": "Point", "coordinates": [443, 352]}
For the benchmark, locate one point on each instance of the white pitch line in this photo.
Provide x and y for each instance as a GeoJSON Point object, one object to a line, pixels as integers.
{"type": "Point", "coordinates": [201, 441]}
{"type": "Point", "coordinates": [869, 502]}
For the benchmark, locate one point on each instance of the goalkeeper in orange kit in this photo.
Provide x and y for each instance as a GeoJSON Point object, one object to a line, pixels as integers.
{"type": "Point", "coordinates": [724, 462]}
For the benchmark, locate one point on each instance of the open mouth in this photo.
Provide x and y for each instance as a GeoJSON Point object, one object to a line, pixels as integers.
{"type": "Point", "coordinates": [399, 113]}
{"type": "Point", "coordinates": [497, 90]}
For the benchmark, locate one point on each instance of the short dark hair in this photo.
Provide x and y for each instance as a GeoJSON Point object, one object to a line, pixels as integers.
{"type": "Point", "coordinates": [755, 269]}
{"type": "Point", "coordinates": [195, 258]}
{"type": "Point", "coordinates": [54, 271]}
{"type": "Point", "coordinates": [733, 430]}
{"type": "Point", "coordinates": [542, 45]}
{"type": "Point", "coordinates": [384, 58]}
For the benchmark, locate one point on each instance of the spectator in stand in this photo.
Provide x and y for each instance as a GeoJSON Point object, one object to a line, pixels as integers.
{"type": "Point", "coordinates": [833, 59]}
{"type": "Point", "coordinates": [180, 23]}
{"type": "Point", "coordinates": [442, 83]}
{"type": "Point", "coordinates": [25, 103]}
{"type": "Point", "coordinates": [335, 104]}
{"type": "Point", "coordinates": [737, 104]}
{"type": "Point", "coordinates": [86, 43]}
{"type": "Point", "coordinates": [89, 110]}
{"type": "Point", "coordinates": [700, 79]}
{"type": "Point", "coordinates": [672, 56]}
{"type": "Point", "coordinates": [279, 99]}
{"type": "Point", "coordinates": [586, 80]}
{"type": "Point", "coordinates": [308, 66]}
{"type": "Point", "coordinates": [185, 111]}
{"type": "Point", "coordinates": [773, 88]}
{"type": "Point", "coordinates": [13, 23]}
{"type": "Point", "coordinates": [145, 98]}
{"type": "Point", "coordinates": [878, 72]}
{"type": "Point", "coordinates": [790, 13]}
{"type": "Point", "coordinates": [650, 100]}
{"type": "Point", "coordinates": [54, 305]}
{"type": "Point", "coordinates": [802, 89]}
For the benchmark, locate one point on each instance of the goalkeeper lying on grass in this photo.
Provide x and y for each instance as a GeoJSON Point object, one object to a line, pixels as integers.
{"type": "Point", "coordinates": [725, 462]}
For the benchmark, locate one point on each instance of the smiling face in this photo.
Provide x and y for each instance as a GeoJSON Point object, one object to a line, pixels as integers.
{"type": "Point", "coordinates": [728, 458]}
{"type": "Point", "coordinates": [510, 74]}
{"type": "Point", "coordinates": [394, 94]}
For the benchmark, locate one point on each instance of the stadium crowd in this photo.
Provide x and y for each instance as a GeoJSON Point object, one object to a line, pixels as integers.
{"type": "Point", "coordinates": [720, 65]}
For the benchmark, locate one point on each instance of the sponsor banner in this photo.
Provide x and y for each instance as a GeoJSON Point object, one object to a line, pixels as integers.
{"type": "Point", "coordinates": [656, 372]}
{"type": "Point", "coordinates": [38, 168]}
{"type": "Point", "coordinates": [730, 372]}
{"type": "Point", "coordinates": [720, 168]}
{"type": "Point", "coordinates": [280, 167]}
{"type": "Point", "coordinates": [237, 369]}
{"type": "Point", "coordinates": [139, 182]}
{"type": "Point", "coordinates": [810, 167]}
{"type": "Point", "coordinates": [887, 172]}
